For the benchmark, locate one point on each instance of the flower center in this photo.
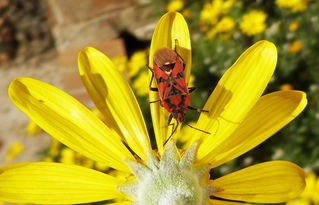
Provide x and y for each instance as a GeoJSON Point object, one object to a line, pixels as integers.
{"type": "Point", "coordinates": [170, 181]}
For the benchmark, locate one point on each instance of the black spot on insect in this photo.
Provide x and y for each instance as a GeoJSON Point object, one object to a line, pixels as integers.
{"type": "Point", "coordinates": [160, 80]}
{"type": "Point", "coordinates": [174, 91]}
{"type": "Point", "coordinates": [179, 75]}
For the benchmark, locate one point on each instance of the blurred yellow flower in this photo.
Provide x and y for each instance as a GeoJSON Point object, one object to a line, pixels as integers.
{"type": "Point", "coordinates": [120, 62]}
{"type": "Point", "coordinates": [212, 11]}
{"type": "Point", "coordinates": [84, 161]}
{"type": "Point", "coordinates": [101, 166]}
{"type": "Point", "coordinates": [67, 156]}
{"type": "Point", "coordinates": [140, 84]}
{"type": "Point", "coordinates": [14, 150]}
{"type": "Point", "coordinates": [310, 196]}
{"type": "Point", "coordinates": [286, 86]}
{"type": "Point", "coordinates": [207, 14]}
{"type": "Point", "coordinates": [187, 13]}
{"type": "Point", "coordinates": [54, 148]}
{"type": "Point", "coordinates": [293, 26]}
{"type": "Point", "coordinates": [286, 3]}
{"type": "Point", "coordinates": [295, 47]}
{"type": "Point", "coordinates": [294, 5]}
{"type": "Point", "coordinates": [225, 25]}
{"type": "Point", "coordinates": [137, 61]}
{"type": "Point", "coordinates": [301, 5]}
{"type": "Point", "coordinates": [191, 81]}
{"type": "Point", "coordinates": [32, 128]}
{"type": "Point", "coordinates": [175, 5]}
{"type": "Point", "coordinates": [253, 22]}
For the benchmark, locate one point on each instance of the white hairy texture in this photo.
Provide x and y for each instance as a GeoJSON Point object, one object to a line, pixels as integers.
{"type": "Point", "coordinates": [172, 180]}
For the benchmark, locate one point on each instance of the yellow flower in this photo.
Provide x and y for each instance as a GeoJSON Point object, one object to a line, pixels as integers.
{"type": "Point", "coordinates": [140, 84]}
{"type": "Point", "coordinates": [293, 26]}
{"type": "Point", "coordinates": [286, 3]}
{"type": "Point", "coordinates": [120, 62]}
{"type": "Point", "coordinates": [225, 25]}
{"type": "Point", "coordinates": [253, 22]}
{"type": "Point", "coordinates": [67, 156]}
{"type": "Point", "coordinates": [212, 11]}
{"type": "Point", "coordinates": [311, 193]}
{"type": "Point", "coordinates": [187, 13]}
{"type": "Point", "coordinates": [101, 166]}
{"type": "Point", "coordinates": [239, 119]}
{"type": "Point", "coordinates": [15, 149]}
{"type": "Point", "coordinates": [54, 148]}
{"type": "Point", "coordinates": [191, 81]}
{"type": "Point", "coordinates": [207, 14]}
{"type": "Point", "coordinates": [136, 62]}
{"type": "Point", "coordinates": [294, 5]}
{"type": "Point", "coordinates": [175, 5]}
{"type": "Point", "coordinates": [286, 86]}
{"type": "Point", "coordinates": [295, 47]}
{"type": "Point", "coordinates": [312, 188]}
{"type": "Point", "coordinates": [32, 128]}
{"type": "Point", "coordinates": [300, 6]}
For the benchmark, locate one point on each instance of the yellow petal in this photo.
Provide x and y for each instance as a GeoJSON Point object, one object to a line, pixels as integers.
{"type": "Point", "coordinates": [13, 166]}
{"type": "Point", "coordinates": [270, 114]}
{"type": "Point", "coordinates": [110, 91]}
{"type": "Point", "coordinates": [54, 183]}
{"type": "Point", "coordinates": [184, 137]}
{"type": "Point", "coordinates": [223, 202]}
{"type": "Point", "coordinates": [64, 118]}
{"type": "Point", "coordinates": [312, 188]}
{"type": "Point", "coordinates": [171, 31]}
{"type": "Point", "coordinates": [269, 182]}
{"type": "Point", "coordinates": [235, 95]}
{"type": "Point", "coordinates": [120, 203]}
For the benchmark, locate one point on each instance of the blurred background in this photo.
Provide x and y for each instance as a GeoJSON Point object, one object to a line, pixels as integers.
{"type": "Point", "coordinates": [41, 39]}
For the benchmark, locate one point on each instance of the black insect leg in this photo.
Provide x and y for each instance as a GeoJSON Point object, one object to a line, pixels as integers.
{"type": "Point", "coordinates": [191, 89]}
{"type": "Point", "coordinates": [197, 109]}
{"type": "Point", "coordinates": [197, 128]}
{"type": "Point", "coordinates": [174, 128]}
{"type": "Point", "coordinates": [176, 44]}
{"type": "Point", "coordinates": [150, 85]}
{"type": "Point", "coordinates": [155, 101]}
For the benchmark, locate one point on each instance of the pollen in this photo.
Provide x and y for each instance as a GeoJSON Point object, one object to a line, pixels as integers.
{"type": "Point", "coordinates": [171, 180]}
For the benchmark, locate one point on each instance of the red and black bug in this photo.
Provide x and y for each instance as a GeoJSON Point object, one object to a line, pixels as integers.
{"type": "Point", "coordinates": [168, 70]}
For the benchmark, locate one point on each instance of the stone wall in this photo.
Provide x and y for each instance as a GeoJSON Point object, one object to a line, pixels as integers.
{"type": "Point", "coordinates": [98, 23]}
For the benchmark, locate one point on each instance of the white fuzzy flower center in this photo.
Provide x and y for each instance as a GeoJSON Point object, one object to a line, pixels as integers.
{"type": "Point", "coordinates": [171, 181]}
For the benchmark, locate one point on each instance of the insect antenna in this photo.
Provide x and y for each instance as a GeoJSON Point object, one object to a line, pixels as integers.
{"type": "Point", "coordinates": [197, 128]}
{"type": "Point", "coordinates": [175, 128]}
